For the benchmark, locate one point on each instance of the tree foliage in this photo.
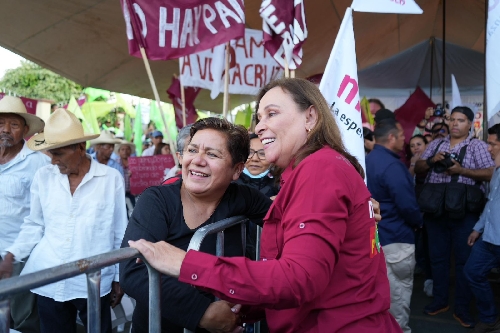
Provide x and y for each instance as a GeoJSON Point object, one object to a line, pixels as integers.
{"type": "Point", "coordinates": [33, 81]}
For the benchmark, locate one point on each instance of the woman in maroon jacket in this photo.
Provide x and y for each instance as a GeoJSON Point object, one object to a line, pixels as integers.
{"type": "Point", "coordinates": [321, 269]}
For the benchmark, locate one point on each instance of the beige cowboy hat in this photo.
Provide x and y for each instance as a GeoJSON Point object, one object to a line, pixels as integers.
{"type": "Point", "coordinates": [105, 137]}
{"type": "Point", "coordinates": [124, 143]}
{"type": "Point", "coordinates": [11, 104]}
{"type": "Point", "coordinates": [63, 128]}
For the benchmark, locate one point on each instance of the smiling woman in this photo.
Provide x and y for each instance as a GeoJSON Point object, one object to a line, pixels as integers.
{"type": "Point", "coordinates": [321, 269]}
{"type": "Point", "coordinates": [213, 158]}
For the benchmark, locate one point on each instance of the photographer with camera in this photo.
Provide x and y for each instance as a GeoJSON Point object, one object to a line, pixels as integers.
{"type": "Point", "coordinates": [451, 199]}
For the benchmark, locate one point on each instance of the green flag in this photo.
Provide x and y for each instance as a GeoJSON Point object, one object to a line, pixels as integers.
{"type": "Point", "coordinates": [94, 93]}
{"type": "Point", "coordinates": [127, 129]}
{"type": "Point", "coordinates": [138, 130]}
{"type": "Point", "coordinates": [75, 109]}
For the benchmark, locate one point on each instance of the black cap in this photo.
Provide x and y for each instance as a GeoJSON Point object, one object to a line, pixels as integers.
{"type": "Point", "coordinates": [384, 114]}
{"type": "Point", "coordinates": [465, 110]}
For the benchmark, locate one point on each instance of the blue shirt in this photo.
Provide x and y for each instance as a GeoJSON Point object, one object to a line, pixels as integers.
{"type": "Point", "coordinates": [15, 181]}
{"type": "Point", "coordinates": [489, 222]}
{"type": "Point", "coordinates": [391, 184]}
{"type": "Point", "coordinates": [112, 164]}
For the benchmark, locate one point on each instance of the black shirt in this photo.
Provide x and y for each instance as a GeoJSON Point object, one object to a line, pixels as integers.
{"type": "Point", "coordinates": [158, 215]}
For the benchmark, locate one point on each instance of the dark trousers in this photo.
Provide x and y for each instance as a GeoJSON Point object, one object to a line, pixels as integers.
{"type": "Point", "coordinates": [484, 256]}
{"type": "Point", "coordinates": [60, 317]}
{"type": "Point", "coordinates": [23, 308]}
{"type": "Point", "coordinates": [445, 233]}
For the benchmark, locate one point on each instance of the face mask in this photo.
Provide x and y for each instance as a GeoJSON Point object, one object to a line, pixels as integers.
{"type": "Point", "coordinates": [246, 172]}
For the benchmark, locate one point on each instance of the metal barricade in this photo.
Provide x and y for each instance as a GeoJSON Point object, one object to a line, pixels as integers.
{"type": "Point", "coordinates": [218, 228]}
{"type": "Point", "coordinates": [92, 268]}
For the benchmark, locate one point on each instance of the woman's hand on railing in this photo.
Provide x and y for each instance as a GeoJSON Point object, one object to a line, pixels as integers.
{"type": "Point", "coordinates": [165, 258]}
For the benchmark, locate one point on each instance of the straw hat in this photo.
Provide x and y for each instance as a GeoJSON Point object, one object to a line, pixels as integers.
{"type": "Point", "coordinates": [124, 143]}
{"type": "Point", "coordinates": [11, 104]}
{"type": "Point", "coordinates": [62, 129]}
{"type": "Point", "coordinates": [105, 137]}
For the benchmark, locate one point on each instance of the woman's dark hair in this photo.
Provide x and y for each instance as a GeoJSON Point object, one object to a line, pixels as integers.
{"type": "Point", "coordinates": [424, 139]}
{"type": "Point", "coordinates": [325, 132]}
{"type": "Point", "coordinates": [377, 101]}
{"type": "Point", "coordinates": [238, 143]}
{"type": "Point", "coordinates": [159, 147]}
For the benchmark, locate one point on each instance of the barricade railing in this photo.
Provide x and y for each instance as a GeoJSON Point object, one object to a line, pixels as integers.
{"type": "Point", "coordinates": [218, 228]}
{"type": "Point", "coordinates": [92, 268]}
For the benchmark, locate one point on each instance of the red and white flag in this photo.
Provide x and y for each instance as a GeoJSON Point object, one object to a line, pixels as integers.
{"type": "Point", "coordinates": [284, 26]}
{"type": "Point", "coordinates": [387, 6]}
{"type": "Point", "coordinates": [339, 86]}
{"type": "Point", "coordinates": [190, 93]}
{"type": "Point", "coordinates": [170, 29]}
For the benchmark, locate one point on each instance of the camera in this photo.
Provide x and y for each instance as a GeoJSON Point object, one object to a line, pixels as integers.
{"type": "Point", "coordinates": [439, 110]}
{"type": "Point", "coordinates": [446, 163]}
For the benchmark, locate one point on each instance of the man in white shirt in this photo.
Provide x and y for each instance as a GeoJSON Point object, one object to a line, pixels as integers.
{"type": "Point", "coordinates": [77, 211]}
{"type": "Point", "coordinates": [156, 138]}
{"type": "Point", "coordinates": [18, 165]}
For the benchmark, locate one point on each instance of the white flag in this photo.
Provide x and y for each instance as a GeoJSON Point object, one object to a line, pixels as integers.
{"type": "Point", "coordinates": [492, 61]}
{"type": "Point", "coordinates": [387, 6]}
{"type": "Point", "coordinates": [455, 94]}
{"type": "Point", "coordinates": [251, 66]}
{"type": "Point", "coordinates": [339, 85]}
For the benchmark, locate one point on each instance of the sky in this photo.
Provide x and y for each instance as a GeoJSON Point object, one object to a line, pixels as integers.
{"type": "Point", "coordinates": [8, 60]}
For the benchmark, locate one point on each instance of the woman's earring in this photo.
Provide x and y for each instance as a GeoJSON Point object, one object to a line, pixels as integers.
{"type": "Point", "coordinates": [308, 130]}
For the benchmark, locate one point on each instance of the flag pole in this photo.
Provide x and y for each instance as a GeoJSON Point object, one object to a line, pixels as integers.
{"type": "Point", "coordinates": [183, 99]}
{"type": "Point", "coordinates": [157, 97]}
{"type": "Point", "coordinates": [225, 105]}
{"type": "Point", "coordinates": [287, 71]}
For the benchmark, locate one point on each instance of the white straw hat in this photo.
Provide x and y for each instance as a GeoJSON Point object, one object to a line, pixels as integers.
{"type": "Point", "coordinates": [105, 137]}
{"type": "Point", "coordinates": [124, 143]}
{"type": "Point", "coordinates": [11, 104]}
{"type": "Point", "coordinates": [63, 128]}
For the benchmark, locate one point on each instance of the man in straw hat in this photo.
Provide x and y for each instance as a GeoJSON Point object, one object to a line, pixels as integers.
{"type": "Point", "coordinates": [104, 146]}
{"type": "Point", "coordinates": [77, 211]}
{"type": "Point", "coordinates": [18, 165]}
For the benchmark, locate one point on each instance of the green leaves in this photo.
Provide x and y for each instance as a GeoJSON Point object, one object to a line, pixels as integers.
{"type": "Point", "coordinates": [33, 81]}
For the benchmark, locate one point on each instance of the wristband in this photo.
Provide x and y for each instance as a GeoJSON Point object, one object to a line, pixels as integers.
{"type": "Point", "coordinates": [429, 162]}
{"type": "Point", "coordinates": [412, 165]}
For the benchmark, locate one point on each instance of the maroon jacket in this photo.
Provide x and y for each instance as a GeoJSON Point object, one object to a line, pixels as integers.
{"type": "Point", "coordinates": [320, 269]}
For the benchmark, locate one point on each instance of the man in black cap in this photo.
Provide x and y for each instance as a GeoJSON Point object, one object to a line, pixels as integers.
{"type": "Point", "coordinates": [452, 222]}
{"type": "Point", "coordinates": [383, 114]}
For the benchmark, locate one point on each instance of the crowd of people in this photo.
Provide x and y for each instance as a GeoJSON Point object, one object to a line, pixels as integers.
{"type": "Point", "coordinates": [336, 255]}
